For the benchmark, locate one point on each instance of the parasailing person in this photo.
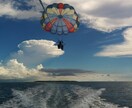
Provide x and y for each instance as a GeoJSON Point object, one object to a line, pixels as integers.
{"type": "Point", "coordinates": [60, 19]}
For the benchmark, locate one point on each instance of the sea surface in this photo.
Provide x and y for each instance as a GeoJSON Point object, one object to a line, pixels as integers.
{"type": "Point", "coordinates": [66, 95]}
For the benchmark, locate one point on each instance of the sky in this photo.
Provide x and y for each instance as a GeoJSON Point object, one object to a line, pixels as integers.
{"type": "Point", "coordinates": [102, 44]}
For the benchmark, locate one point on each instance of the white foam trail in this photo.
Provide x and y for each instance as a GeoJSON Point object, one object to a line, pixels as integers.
{"type": "Point", "coordinates": [30, 98]}
{"type": "Point", "coordinates": [58, 96]}
{"type": "Point", "coordinates": [90, 98]}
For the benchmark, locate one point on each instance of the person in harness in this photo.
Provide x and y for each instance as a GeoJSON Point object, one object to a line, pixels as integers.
{"type": "Point", "coordinates": [60, 45]}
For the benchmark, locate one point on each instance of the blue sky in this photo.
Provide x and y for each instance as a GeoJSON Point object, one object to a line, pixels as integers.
{"type": "Point", "coordinates": [83, 49]}
{"type": "Point", "coordinates": [79, 49]}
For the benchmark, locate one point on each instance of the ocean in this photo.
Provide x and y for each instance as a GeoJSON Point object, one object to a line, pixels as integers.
{"type": "Point", "coordinates": [66, 95]}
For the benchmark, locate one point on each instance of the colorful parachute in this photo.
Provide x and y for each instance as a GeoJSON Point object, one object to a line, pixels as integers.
{"type": "Point", "coordinates": [59, 18]}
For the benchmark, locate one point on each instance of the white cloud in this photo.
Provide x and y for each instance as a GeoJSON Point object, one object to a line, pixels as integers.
{"type": "Point", "coordinates": [106, 15]}
{"type": "Point", "coordinates": [13, 70]}
{"type": "Point", "coordinates": [118, 50]}
{"type": "Point", "coordinates": [33, 52]}
{"type": "Point", "coordinates": [102, 15]}
{"type": "Point", "coordinates": [10, 9]}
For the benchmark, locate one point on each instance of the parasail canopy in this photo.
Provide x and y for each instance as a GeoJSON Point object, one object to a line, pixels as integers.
{"type": "Point", "coordinates": [59, 18]}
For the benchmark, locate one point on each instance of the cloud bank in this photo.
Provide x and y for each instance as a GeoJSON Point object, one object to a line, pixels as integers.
{"type": "Point", "coordinates": [102, 15]}
{"type": "Point", "coordinates": [65, 72]}
{"type": "Point", "coordinates": [16, 71]}
{"type": "Point", "coordinates": [123, 49]}
{"type": "Point", "coordinates": [33, 52]}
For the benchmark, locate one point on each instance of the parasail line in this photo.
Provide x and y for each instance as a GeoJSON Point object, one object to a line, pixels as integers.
{"type": "Point", "coordinates": [42, 5]}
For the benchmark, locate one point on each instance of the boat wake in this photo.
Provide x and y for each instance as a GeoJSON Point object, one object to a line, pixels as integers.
{"type": "Point", "coordinates": [57, 96]}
